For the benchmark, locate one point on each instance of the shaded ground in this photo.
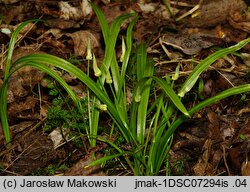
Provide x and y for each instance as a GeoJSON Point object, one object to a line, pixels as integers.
{"type": "Point", "coordinates": [214, 142]}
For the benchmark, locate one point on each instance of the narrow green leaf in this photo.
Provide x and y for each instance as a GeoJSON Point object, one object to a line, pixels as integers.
{"type": "Point", "coordinates": [12, 43]}
{"type": "Point", "coordinates": [102, 20]}
{"type": "Point", "coordinates": [145, 69]}
{"type": "Point", "coordinates": [3, 90]}
{"type": "Point", "coordinates": [167, 89]}
{"type": "Point", "coordinates": [141, 61]}
{"type": "Point", "coordinates": [3, 112]}
{"type": "Point", "coordinates": [193, 77]}
{"type": "Point", "coordinates": [110, 38]}
{"type": "Point", "coordinates": [104, 159]}
{"type": "Point", "coordinates": [94, 122]}
{"type": "Point", "coordinates": [129, 44]}
{"type": "Point", "coordinates": [222, 95]}
{"type": "Point", "coordinates": [109, 60]}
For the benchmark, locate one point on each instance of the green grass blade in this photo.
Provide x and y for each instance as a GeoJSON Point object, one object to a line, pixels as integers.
{"type": "Point", "coordinates": [109, 60]}
{"type": "Point", "coordinates": [12, 43]}
{"type": "Point", "coordinates": [133, 117]}
{"type": "Point", "coordinates": [94, 122]}
{"type": "Point", "coordinates": [110, 38]}
{"type": "Point", "coordinates": [169, 10]}
{"type": "Point", "coordinates": [144, 69]}
{"type": "Point", "coordinates": [222, 95]}
{"type": "Point", "coordinates": [120, 153]}
{"type": "Point", "coordinates": [129, 44]}
{"type": "Point", "coordinates": [167, 89]}
{"type": "Point", "coordinates": [121, 95]}
{"type": "Point", "coordinates": [151, 153]}
{"type": "Point", "coordinates": [104, 159]}
{"type": "Point", "coordinates": [3, 112]}
{"type": "Point", "coordinates": [102, 21]}
{"type": "Point", "coordinates": [193, 77]}
{"type": "Point", "coordinates": [141, 62]}
{"type": "Point", "coordinates": [172, 95]}
{"type": "Point", "coordinates": [3, 90]}
{"type": "Point", "coordinates": [156, 157]}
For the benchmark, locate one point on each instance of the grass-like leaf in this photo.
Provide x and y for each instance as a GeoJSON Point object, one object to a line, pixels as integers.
{"type": "Point", "coordinates": [3, 90]}
{"type": "Point", "coordinates": [104, 159]}
{"type": "Point", "coordinates": [110, 37]}
{"type": "Point", "coordinates": [168, 91]}
{"type": "Point", "coordinates": [193, 77]}
{"type": "Point", "coordinates": [144, 69]}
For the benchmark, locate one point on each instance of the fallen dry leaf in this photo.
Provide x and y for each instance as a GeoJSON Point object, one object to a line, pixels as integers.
{"type": "Point", "coordinates": [80, 169]}
{"type": "Point", "coordinates": [238, 21]}
{"type": "Point", "coordinates": [68, 12]}
{"type": "Point", "coordinates": [23, 81]}
{"type": "Point", "coordinates": [17, 108]}
{"type": "Point", "coordinates": [13, 13]}
{"type": "Point", "coordinates": [106, 1]}
{"type": "Point", "coordinates": [190, 44]}
{"type": "Point", "coordinates": [245, 168]}
{"type": "Point", "coordinates": [58, 136]}
{"type": "Point", "coordinates": [9, 1]}
{"type": "Point", "coordinates": [21, 126]}
{"type": "Point", "coordinates": [234, 154]}
{"type": "Point", "coordinates": [31, 152]}
{"type": "Point", "coordinates": [80, 40]}
{"type": "Point", "coordinates": [214, 12]}
{"type": "Point", "coordinates": [203, 167]}
{"type": "Point", "coordinates": [158, 9]}
{"type": "Point", "coordinates": [63, 24]}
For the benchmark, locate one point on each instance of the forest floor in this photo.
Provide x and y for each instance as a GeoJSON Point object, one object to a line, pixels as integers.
{"type": "Point", "coordinates": [215, 141]}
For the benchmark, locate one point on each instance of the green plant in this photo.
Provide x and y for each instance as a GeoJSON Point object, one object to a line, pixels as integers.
{"type": "Point", "coordinates": [1, 18]}
{"type": "Point", "coordinates": [67, 118]}
{"type": "Point", "coordinates": [50, 170]}
{"type": "Point", "coordinates": [61, 113]}
{"type": "Point", "coordinates": [148, 129]}
{"type": "Point", "coordinates": [73, 59]}
{"type": "Point", "coordinates": [56, 118]}
{"type": "Point", "coordinates": [179, 166]}
{"type": "Point", "coordinates": [169, 10]}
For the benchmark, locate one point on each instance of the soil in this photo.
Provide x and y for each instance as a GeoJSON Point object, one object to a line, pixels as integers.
{"type": "Point", "coordinates": [210, 143]}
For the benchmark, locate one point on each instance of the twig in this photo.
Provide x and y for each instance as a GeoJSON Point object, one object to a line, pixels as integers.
{"type": "Point", "coordinates": [188, 13]}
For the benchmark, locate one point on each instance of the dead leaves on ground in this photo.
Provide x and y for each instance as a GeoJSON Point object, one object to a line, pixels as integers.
{"type": "Point", "coordinates": [212, 12]}
{"type": "Point", "coordinates": [221, 151]}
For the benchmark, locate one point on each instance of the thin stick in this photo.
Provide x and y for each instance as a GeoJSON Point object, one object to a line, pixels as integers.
{"type": "Point", "coordinates": [188, 13]}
